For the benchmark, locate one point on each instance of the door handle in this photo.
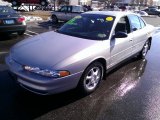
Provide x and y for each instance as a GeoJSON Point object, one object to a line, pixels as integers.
{"type": "Point", "coordinates": [131, 40]}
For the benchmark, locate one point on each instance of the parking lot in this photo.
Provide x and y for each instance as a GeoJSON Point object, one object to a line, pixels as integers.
{"type": "Point", "coordinates": [130, 92]}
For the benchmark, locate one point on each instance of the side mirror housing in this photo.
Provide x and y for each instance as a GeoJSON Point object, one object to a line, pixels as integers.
{"type": "Point", "coordinates": [120, 35]}
{"type": "Point", "coordinates": [134, 29]}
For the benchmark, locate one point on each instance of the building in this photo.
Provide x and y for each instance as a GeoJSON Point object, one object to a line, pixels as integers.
{"type": "Point", "coordinates": [80, 2]}
{"type": "Point", "coordinates": [123, 2]}
{"type": "Point", "coordinates": [74, 2]}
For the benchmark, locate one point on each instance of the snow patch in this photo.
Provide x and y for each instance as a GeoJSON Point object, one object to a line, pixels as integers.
{"type": "Point", "coordinates": [32, 18]}
{"type": "Point", "coordinates": [5, 3]}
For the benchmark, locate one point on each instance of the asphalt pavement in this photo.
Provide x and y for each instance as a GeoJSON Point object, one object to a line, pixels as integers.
{"type": "Point", "coordinates": [130, 92]}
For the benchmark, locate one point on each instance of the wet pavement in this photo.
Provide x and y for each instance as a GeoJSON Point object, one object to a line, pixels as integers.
{"type": "Point", "coordinates": [130, 92]}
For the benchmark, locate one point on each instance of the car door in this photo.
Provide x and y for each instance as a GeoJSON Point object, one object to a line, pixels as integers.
{"type": "Point", "coordinates": [139, 30]}
{"type": "Point", "coordinates": [147, 11]}
{"type": "Point", "coordinates": [62, 13]}
{"type": "Point", "coordinates": [69, 13]}
{"type": "Point", "coordinates": [121, 48]}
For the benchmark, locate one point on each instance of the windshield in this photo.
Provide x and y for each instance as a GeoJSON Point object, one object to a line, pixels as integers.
{"type": "Point", "coordinates": [5, 10]}
{"type": "Point", "coordinates": [89, 26]}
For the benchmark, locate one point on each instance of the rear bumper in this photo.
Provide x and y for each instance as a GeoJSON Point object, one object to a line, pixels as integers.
{"type": "Point", "coordinates": [13, 28]}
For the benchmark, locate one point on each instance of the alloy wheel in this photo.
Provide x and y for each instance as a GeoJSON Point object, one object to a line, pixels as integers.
{"type": "Point", "coordinates": [92, 78]}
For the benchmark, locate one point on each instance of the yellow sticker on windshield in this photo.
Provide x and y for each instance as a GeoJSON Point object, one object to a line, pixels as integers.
{"type": "Point", "coordinates": [109, 18]}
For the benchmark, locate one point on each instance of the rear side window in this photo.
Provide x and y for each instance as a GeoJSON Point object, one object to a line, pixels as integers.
{"type": "Point", "coordinates": [76, 9]}
{"type": "Point", "coordinates": [135, 23]}
{"type": "Point", "coordinates": [142, 23]}
{"type": "Point", "coordinates": [152, 9]}
{"type": "Point", "coordinates": [123, 25]}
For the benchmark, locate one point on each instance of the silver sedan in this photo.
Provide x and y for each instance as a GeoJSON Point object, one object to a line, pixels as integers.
{"type": "Point", "coordinates": [79, 53]}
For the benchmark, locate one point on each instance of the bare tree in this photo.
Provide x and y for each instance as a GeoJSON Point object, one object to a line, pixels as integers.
{"type": "Point", "coordinates": [62, 2]}
{"type": "Point", "coordinates": [151, 2]}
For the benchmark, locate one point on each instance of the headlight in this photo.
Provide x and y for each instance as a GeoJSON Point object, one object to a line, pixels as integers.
{"type": "Point", "coordinates": [47, 73]}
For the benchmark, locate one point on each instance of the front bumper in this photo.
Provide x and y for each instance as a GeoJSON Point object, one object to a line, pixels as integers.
{"type": "Point", "coordinates": [12, 28]}
{"type": "Point", "coordinates": [40, 84]}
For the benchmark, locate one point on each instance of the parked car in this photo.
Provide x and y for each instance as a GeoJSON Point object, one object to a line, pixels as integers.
{"type": "Point", "coordinates": [87, 8]}
{"type": "Point", "coordinates": [111, 8]}
{"type": "Point", "coordinates": [66, 13]}
{"type": "Point", "coordinates": [79, 53]}
{"type": "Point", "coordinates": [153, 7]}
{"type": "Point", "coordinates": [11, 21]}
{"type": "Point", "coordinates": [141, 13]}
{"type": "Point", "coordinates": [123, 8]}
{"type": "Point", "coordinates": [152, 11]}
{"type": "Point", "coordinates": [19, 2]}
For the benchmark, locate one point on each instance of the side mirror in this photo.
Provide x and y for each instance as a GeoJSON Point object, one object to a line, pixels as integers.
{"type": "Point", "coordinates": [134, 29]}
{"type": "Point", "coordinates": [120, 35]}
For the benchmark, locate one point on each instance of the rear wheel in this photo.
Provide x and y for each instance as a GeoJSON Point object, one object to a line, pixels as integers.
{"type": "Point", "coordinates": [145, 49]}
{"type": "Point", "coordinates": [54, 19]}
{"type": "Point", "coordinates": [21, 32]}
{"type": "Point", "coordinates": [91, 78]}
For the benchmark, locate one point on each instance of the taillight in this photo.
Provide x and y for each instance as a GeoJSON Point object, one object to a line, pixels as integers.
{"type": "Point", "coordinates": [21, 19]}
{"type": "Point", "coordinates": [1, 21]}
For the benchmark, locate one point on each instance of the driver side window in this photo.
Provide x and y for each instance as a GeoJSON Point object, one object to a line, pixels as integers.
{"type": "Point", "coordinates": [63, 9]}
{"type": "Point", "coordinates": [123, 25]}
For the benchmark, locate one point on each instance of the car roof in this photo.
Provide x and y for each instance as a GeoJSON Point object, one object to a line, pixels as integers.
{"type": "Point", "coordinates": [112, 13]}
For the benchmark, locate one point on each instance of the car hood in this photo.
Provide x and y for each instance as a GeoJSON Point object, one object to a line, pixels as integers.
{"type": "Point", "coordinates": [47, 49]}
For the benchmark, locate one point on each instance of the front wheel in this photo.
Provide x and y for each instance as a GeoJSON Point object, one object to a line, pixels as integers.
{"type": "Point", "coordinates": [91, 78]}
{"type": "Point", "coordinates": [145, 49]}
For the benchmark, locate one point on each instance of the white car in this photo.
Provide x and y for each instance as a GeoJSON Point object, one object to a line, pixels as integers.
{"type": "Point", "coordinates": [141, 13]}
{"type": "Point", "coordinates": [79, 53]}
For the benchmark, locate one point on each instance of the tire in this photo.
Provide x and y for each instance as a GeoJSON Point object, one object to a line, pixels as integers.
{"type": "Point", "coordinates": [144, 50]}
{"type": "Point", "coordinates": [54, 19]}
{"type": "Point", "coordinates": [21, 32]}
{"type": "Point", "coordinates": [91, 78]}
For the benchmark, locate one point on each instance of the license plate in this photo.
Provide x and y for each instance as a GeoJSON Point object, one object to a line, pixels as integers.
{"type": "Point", "coordinates": [9, 21]}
